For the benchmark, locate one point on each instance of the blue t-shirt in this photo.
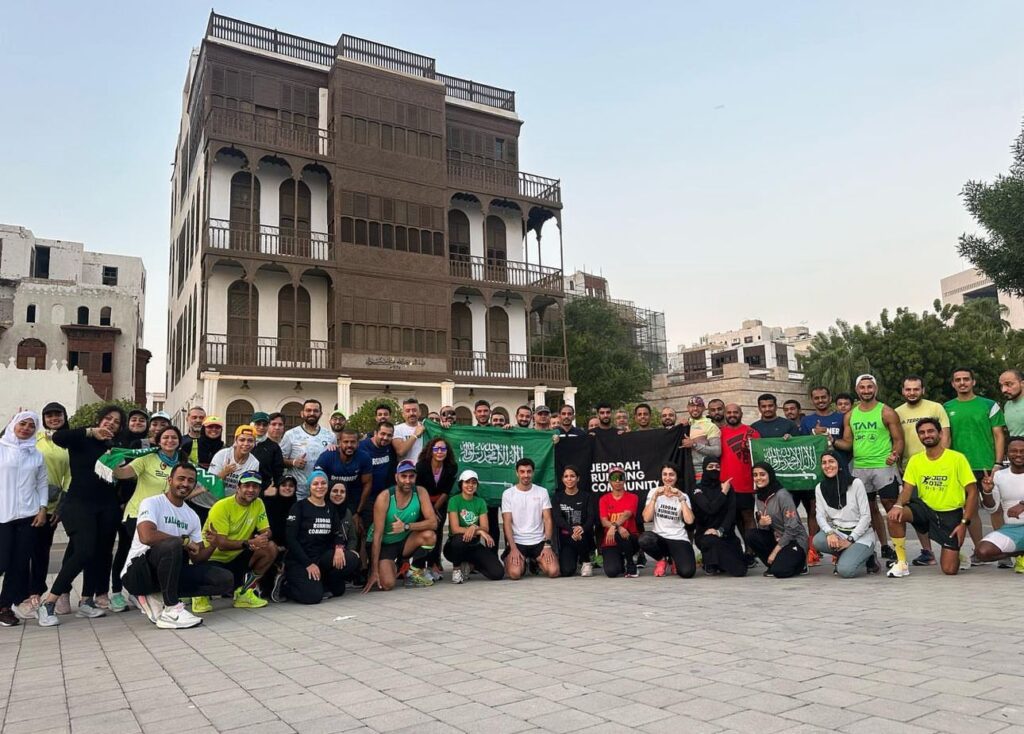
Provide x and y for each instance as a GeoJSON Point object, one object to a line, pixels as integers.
{"type": "Point", "coordinates": [833, 423]}
{"type": "Point", "coordinates": [384, 461]}
{"type": "Point", "coordinates": [350, 473]}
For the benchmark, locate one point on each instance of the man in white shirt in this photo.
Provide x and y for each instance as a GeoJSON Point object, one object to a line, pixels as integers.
{"type": "Point", "coordinates": [1005, 489]}
{"type": "Point", "coordinates": [408, 440]}
{"type": "Point", "coordinates": [301, 446]}
{"type": "Point", "coordinates": [230, 464]}
{"type": "Point", "coordinates": [167, 556]}
{"type": "Point", "coordinates": [528, 525]}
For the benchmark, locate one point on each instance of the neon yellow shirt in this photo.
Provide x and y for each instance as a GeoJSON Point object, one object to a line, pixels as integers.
{"type": "Point", "coordinates": [58, 468]}
{"type": "Point", "coordinates": [909, 415]}
{"type": "Point", "coordinates": [151, 479]}
{"type": "Point", "coordinates": [235, 522]}
{"type": "Point", "coordinates": [941, 484]}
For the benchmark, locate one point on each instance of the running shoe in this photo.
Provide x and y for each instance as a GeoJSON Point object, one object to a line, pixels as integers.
{"type": "Point", "coordinates": [813, 557]}
{"type": "Point", "coordinates": [102, 601]}
{"type": "Point", "coordinates": [975, 561]}
{"type": "Point", "coordinates": [277, 594]}
{"type": "Point", "coordinates": [872, 565]}
{"type": "Point", "coordinates": [898, 570]}
{"type": "Point", "coordinates": [660, 568]}
{"type": "Point", "coordinates": [888, 553]}
{"type": "Point", "coordinates": [925, 558]}
{"type": "Point", "coordinates": [641, 560]}
{"type": "Point", "coordinates": [1018, 564]}
{"type": "Point", "coordinates": [436, 573]}
{"type": "Point", "coordinates": [118, 603]}
{"type": "Point", "coordinates": [8, 618]}
{"type": "Point", "coordinates": [417, 578]}
{"type": "Point", "coordinates": [965, 562]}
{"type": "Point", "coordinates": [247, 599]}
{"type": "Point", "coordinates": [63, 605]}
{"type": "Point", "coordinates": [47, 615]}
{"type": "Point", "coordinates": [1005, 563]}
{"type": "Point", "coordinates": [178, 618]}
{"type": "Point", "coordinates": [466, 571]}
{"type": "Point", "coordinates": [457, 576]}
{"type": "Point", "coordinates": [587, 569]}
{"type": "Point", "coordinates": [631, 571]}
{"type": "Point", "coordinates": [152, 606]}
{"type": "Point", "coordinates": [89, 610]}
{"type": "Point", "coordinates": [201, 605]}
{"type": "Point", "coordinates": [26, 610]}
{"type": "Point", "coordinates": [750, 560]}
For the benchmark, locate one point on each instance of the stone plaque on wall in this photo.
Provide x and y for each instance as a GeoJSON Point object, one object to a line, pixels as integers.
{"type": "Point", "coordinates": [397, 363]}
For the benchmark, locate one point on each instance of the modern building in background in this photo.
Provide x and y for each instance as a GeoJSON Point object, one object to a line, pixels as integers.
{"type": "Point", "coordinates": [62, 306]}
{"type": "Point", "coordinates": [647, 327]}
{"type": "Point", "coordinates": [762, 348]}
{"type": "Point", "coordinates": [348, 221]}
{"type": "Point", "coordinates": [970, 284]}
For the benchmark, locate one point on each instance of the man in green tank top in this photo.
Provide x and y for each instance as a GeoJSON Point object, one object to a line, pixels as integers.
{"type": "Point", "coordinates": [403, 529]}
{"type": "Point", "coordinates": [873, 433]}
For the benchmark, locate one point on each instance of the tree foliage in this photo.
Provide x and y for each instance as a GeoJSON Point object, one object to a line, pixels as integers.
{"type": "Point", "coordinates": [999, 208]}
{"type": "Point", "coordinates": [930, 344]}
{"type": "Point", "coordinates": [85, 416]}
{"type": "Point", "coordinates": [603, 362]}
{"type": "Point", "coordinates": [364, 419]}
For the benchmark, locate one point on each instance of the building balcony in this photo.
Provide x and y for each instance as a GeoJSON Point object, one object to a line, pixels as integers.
{"type": "Point", "coordinates": [503, 181]}
{"type": "Point", "coordinates": [265, 354]}
{"type": "Point", "coordinates": [538, 369]}
{"type": "Point", "coordinates": [267, 240]}
{"type": "Point", "coordinates": [269, 133]}
{"type": "Point", "coordinates": [506, 272]}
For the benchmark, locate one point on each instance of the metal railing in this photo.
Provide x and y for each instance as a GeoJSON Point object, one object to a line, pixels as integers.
{"type": "Point", "coordinates": [502, 180]}
{"type": "Point", "coordinates": [264, 352]}
{"type": "Point", "coordinates": [506, 272]}
{"type": "Point", "coordinates": [267, 240]}
{"type": "Point", "coordinates": [315, 142]}
{"type": "Point", "coordinates": [510, 366]}
{"type": "Point", "coordinates": [485, 94]}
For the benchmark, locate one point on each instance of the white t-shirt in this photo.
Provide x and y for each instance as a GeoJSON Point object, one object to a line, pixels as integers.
{"type": "Point", "coordinates": [527, 510]}
{"type": "Point", "coordinates": [177, 521]}
{"type": "Point", "coordinates": [1009, 490]}
{"type": "Point", "coordinates": [296, 442]}
{"type": "Point", "coordinates": [668, 523]}
{"type": "Point", "coordinates": [221, 459]}
{"type": "Point", "coordinates": [403, 431]}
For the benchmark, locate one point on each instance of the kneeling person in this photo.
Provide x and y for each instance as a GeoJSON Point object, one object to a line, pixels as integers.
{"type": "Point", "coordinates": [528, 524]}
{"type": "Point", "coordinates": [668, 543]}
{"type": "Point", "coordinates": [238, 529]}
{"type": "Point", "coordinates": [403, 529]}
{"type": "Point", "coordinates": [167, 556]}
{"type": "Point", "coordinates": [469, 540]}
{"type": "Point", "coordinates": [617, 512]}
{"type": "Point", "coordinates": [1005, 491]}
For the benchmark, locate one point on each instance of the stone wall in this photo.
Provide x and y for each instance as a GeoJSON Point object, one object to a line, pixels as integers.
{"type": "Point", "coordinates": [32, 389]}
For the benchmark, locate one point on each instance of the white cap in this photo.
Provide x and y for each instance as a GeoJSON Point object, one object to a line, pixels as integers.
{"type": "Point", "coordinates": [468, 474]}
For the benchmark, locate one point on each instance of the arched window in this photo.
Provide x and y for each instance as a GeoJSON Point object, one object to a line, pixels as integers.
{"type": "Point", "coordinates": [105, 316]}
{"type": "Point", "coordinates": [463, 416]}
{"type": "Point", "coordinates": [462, 337]}
{"type": "Point", "coordinates": [295, 202]}
{"type": "Point", "coordinates": [30, 314]}
{"type": "Point", "coordinates": [239, 413]}
{"type": "Point", "coordinates": [292, 414]}
{"type": "Point", "coordinates": [245, 211]}
{"type": "Point", "coordinates": [497, 340]}
{"type": "Point", "coordinates": [243, 310]}
{"type": "Point", "coordinates": [82, 318]}
{"type": "Point", "coordinates": [293, 324]}
{"type": "Point", "coordinates": [31, 355]}
{"type": "Point", "coordinates": [57, 314]}
{"type": "Point", "coordinates": [497, 249]}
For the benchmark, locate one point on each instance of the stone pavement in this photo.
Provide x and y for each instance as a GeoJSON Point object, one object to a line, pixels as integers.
{"type": "Point", "coordinates": [810, 654]}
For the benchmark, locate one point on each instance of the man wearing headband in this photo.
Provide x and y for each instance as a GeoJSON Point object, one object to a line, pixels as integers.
{"type": "Point", "coordinates": [872, 432]}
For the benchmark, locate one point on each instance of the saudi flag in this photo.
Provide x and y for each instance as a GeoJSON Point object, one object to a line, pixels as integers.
{"type": "Point", "coordinates": [796, 460]}
{"type": "Point", "coordinates": [115, 457]}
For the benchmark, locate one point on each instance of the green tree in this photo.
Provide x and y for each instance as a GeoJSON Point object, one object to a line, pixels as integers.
{"type": "Point", "coordinates": [86, 414]}
{"type": "Point", "coordinates": [999, 208]}
{"type": "Point", "coordinates": [603, 363]}
{"type": "Point", "coordinates": [836, 357]}
{"type": "Point", "coordinates": [364, 419]}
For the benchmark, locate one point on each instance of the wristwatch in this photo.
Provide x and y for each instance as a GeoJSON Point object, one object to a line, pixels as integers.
{"type": "Point", "coordinates": [965, 521]}
{"type": "Point", "coordinates": [406, 527]}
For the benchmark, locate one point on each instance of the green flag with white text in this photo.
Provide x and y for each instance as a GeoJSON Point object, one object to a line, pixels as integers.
{"type": "Point", "coordinates": [493, 452]}
{"type": "Point", "coordinates": [796, 461]}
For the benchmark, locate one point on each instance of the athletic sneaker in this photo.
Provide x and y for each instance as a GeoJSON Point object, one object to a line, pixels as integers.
{"type": "Point", "coordinates": [132, 601]}
{"type": "Point", "coordinates": [813, 557]}
{"type": "Point", "coordinates": [898, 570]}
{"type": "Point", "coordinates": [47, 615]}
{"type": "Point", "coordinates": [750, 560]}
{"type": "Point", "coordinates": [888, 553]}
{"type": "Point", "coordinates": [63, 605]}
{"type": "Point", "coordinates": [872, 565]}
{"type": "Point", "coordinates": [641, 560]}
{"type": "Point", "coordinates": [436, 574]}
{"type": "Point", "coordinates": [118, 603]}
{"type": "Point", "coordinates": [102, 601]}
{"type": "Point", "coordinates": [965, 562]}
{"type": "Point", "coordinates": [89, 610]}
{"type": "Point", "coordinates": [975, 561]}
{"type": "Point", "coordinates": [26, 610]}
{"type": "Point", "coordinates": [152, 605]}
{"type": "Point", "coordinates": [201, 605]}
{"type": "Point", "coordinates": [277, 594]}
{"type": "Point", "coordinates": [587, 569]}
{"type": "Point", "coordinates": [466, 570]}
{"type": "Point", "coordinates": [417, 577]}
{"type": "Point", "coordinates": [177, 618]}
{"type": "Point", "coordinates": [1018, 564]}
{"type": "Point", "coordinates": [8, 618]}
{"type": "Point", "coordinates": [1005, 563]}
{"type": "Point", "coordinates": [457, 576]}
{"type": "Point", "coordinates": [248, 599]}
{"type": "Point", "coordinates": [805, 570]}
{"type": "Point", "coordinates": [631, 571]}
{"type": "Point", "coordinates": [660, 568]}
{"type": "Point", "coordinates": [926, 558]}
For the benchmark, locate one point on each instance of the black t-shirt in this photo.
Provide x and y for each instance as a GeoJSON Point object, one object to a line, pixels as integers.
{"type": "Point", "coordinates": [82, 454]}
{"type": "Point", "coordinates": [312, 531]}
{"type": "Point", "coordinates": [572, 510]}
{"type": "Point", "coordinates": [776, 428]}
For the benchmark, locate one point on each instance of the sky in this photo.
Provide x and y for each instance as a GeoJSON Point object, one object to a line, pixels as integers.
{"type": "Point", "coordinates": [795, 162]}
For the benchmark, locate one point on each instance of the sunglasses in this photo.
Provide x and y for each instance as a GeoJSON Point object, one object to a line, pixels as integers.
{"type": "Point", "coordinates": [439, 449]}
{"type": "Point", "coordinates": [447, 415]}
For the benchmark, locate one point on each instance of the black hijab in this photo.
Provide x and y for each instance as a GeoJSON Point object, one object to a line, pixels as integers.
{"type": "Point", "coordinates": [833, 490]}
{"type": "Point", "coordinates": [773, 483]}
{"type": "Point", "coordinates": [710, 480]}
{"type": "Point", "coordinates": [54, 408]}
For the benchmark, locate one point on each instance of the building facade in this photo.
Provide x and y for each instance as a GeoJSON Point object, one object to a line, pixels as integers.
{"type": "Point", "coordinates": [972, 283]}
{"type": "Point", "coordinates": [63, 305]}
{"type": "Point", "coordinates": [346, 222]}
{"type": "Point", "coordinates": [760, 347]}
{"type": "Point", "coordinates": [733, 383]}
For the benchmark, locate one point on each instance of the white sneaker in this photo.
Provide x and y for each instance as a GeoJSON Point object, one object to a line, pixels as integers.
{"type": "Point", "coordinates": [465, 568]}
{"type": "Point", "coordinates": [965, 562]}
{"type": "Point", "coordinates": [457, 576]}
{"type": "Point", "coordinates": [177, 618]}
{"type": "Point", "coordinates": [898, 570]}
{"type": "Point", "coordinates": [45, 618]}
{"type": "Point", "coordinates": [587, 569]}
{"type": "Point", "coordinates": [26, 610]}
{"type": "Point", "coordinates": [151, 605]}
{"type": "Point", "coordinates": [89, 610]}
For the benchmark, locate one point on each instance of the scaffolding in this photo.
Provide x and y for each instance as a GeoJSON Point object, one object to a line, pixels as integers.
{"type": "Point", "coordinates": [647, 328]}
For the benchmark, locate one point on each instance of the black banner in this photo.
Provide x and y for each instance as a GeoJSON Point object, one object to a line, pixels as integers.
{"type": "Point", "coordinates": [640, 453]}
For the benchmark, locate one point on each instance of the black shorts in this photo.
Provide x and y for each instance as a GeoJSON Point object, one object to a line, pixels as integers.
{"type": "Point", "coordinates": [392, 552]}
{"type": "Point", "coordinates": [745, 501]}
{"type": "Point", "coordinates": [805, 498]}
{"type": "Point", "coordinates": [888, 492]}
{"type": "Point", "coordinates": [939, 526]}
{"type": "Point", "coordinates": [530, 552]}
{"type": "Point", "coordinates": [238, 566]}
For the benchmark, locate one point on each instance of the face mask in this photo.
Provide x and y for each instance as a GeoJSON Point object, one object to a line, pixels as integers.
{"type": "Point", "coordinates": [710, 477]}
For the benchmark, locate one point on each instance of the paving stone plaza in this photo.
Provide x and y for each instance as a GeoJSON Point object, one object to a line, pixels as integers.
{"type": "Point", "coordinates": [810, 654]}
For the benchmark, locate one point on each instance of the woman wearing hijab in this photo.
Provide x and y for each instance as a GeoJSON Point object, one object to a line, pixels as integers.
{"type": "Point", "coordinates": [779, 539]}
{"type": "Point", "coordinates": [136, 433]}
{"type": "Point", "coordinates": [23, 499]}
{"type": "Point", "coordinates": [90, 514]}
{"type": "Point", "coordinates": [844, 517]}
{"type": "Point", "coordinates": [210, 440]}
{"type": "Point", "coordinates": [714, 509]}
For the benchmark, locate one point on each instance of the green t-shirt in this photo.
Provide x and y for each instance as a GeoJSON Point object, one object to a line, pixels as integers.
{"type": "Point", "coordinates": [469, 511]}
{"type": "Point", "coordinates": [151, 479]}
{"type": "Point", "coordinates": [971, 423]}
{"type": "Point", "coordinates": [1013, 411]}
{"type": "Point", "coordinates": [236, 522]}
{"type": "Point", "coordinates": [940, 483]}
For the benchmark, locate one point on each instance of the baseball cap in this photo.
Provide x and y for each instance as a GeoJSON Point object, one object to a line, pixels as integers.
{"type": "Point", "coordinates": [212, 420]}
{"type": "Point", "coordinates": [617, 470]}
{"type": "Point", "coordinates": [468, 474]}
{"type": "Point", "coordinates": [250, 477]}
{"type": "Point", "coordinates": [865, 376]}
{"type": "Point", "coordinates": [696, 400]}
{"type": "Point", "coordinates": [160, 414]}
{"type": "Point", "coordinates": [337, 412]}
{"type": "Point", "coordinates": [244, 428]}
{"type": "Point", "coordinates": [542, 409]}
{"type": "Point", "coordinates": [260, 417]}
{"type": "Point", "coordinates": [404, 466]}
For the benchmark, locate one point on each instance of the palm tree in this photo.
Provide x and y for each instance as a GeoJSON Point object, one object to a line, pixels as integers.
{"type": "Point", "coordinates": [836, 358]}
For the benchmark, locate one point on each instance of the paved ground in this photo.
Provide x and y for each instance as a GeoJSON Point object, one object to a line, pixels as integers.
{"type": "Point", "coordinates": [653, 655]}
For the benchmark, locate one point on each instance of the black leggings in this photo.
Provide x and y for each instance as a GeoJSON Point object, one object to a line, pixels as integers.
{"type": "Point", "coordinates": [125, 533]}
{"type": "Point", "coordinates": [680, 551]}
{"type": "Point", "coordinates": [91, 531]}
{"type": "Point", "coordinates": [790, 560]}
{"type": "Point", "coordinates": [619, 557]}
{"type": "Point", "coordinates": [304, 590]}
{"type": "Point", "coordinates": [573, 552]}
{"type": "Point", "coordinates": [165, 568]}
{"type": "Point", "coordinates": [434, 557]}
{"type": "Point", "coordinates": [458, 551]}
{"type": "Point", "coordinates": [494, 523]}
{"type": "Point", "coordinates": [15, 550]}
{"type": "Point", "coordinates": [39, 563]}
{"type": "Point", "coordinates": [724, 554]}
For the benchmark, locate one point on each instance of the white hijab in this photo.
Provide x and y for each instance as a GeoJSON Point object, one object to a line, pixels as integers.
{"type": "Point", "coordinates": [24, 444]}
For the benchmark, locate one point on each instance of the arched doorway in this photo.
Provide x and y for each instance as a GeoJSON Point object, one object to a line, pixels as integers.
{"type": "Point", "coordinates": [292, 414]}
{"type": "Point", "coordinates": [31, 355]}
{"type": "Point", "coordinates": [238, 413]}
{"type": "Point", "coordinates": [463, 416]}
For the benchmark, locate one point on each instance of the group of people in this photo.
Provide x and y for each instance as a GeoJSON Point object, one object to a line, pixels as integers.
{"type": "Point", "coordinates": [302, 514]}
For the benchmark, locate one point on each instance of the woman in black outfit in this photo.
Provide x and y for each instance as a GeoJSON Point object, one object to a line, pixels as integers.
{"type": "Point", "coordinates": [134, 436]}
{"type": "Point", "coordinates": [714, 508]}
{"type": "Point", "coordinates": [574, 525]}
{"type": "Point", "coordinates": [435, 472]}
{"type": "Point", "coordinates": [210, 440]}
{"type": "Point", "coordinates": [90, 514]}
{"type": "Point", "coordinates": [318, 541]}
